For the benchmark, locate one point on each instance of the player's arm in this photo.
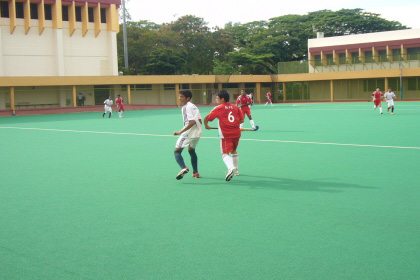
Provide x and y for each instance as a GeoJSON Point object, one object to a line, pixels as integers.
{"type": "Point", "coordinates": [190, 124]}
{"type": "Point", "coordinates": [210, 117]}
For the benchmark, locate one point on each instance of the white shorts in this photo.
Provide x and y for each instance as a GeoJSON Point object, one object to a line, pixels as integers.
{"type": "Point", "coordinates": [390, 103]}
{"type": "Point", "coordinates": [108, 109]}
{"type": "Point", "coordinates": [183, 142]}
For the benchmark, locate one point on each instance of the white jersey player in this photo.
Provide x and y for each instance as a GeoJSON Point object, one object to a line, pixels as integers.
{"type": "Point", "coordinates": [108, 103]}
{"type": "Point", "coordinates": [389, 97]}
{"type": "Point", "coordinates": [189, 135]}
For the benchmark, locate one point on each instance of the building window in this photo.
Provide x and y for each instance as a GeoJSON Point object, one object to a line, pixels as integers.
{"type": "Point", "coordinates": [330, 60]}
{"type": "Point", "coordinates": [91, 15]}
{"type": "Point", "coordinates": [342, 58]}
{"type": "Point", "coordinates": [185, 86]}
{"type": "Point", "coordinates": [413, 83]}
{"type": "Point", "coordinates": [369, 57]}
{"type": "Point", "coordinates": [19, 10]}
{"type": "Point", "coordinates": [249, 85]}
{"type": "Point", "coordinates": [144, 87]}
{"type": "Point", "coordinates": [266, 85]}
{"type": "Point", "coordinates": [78, 13]}
{"type": "Point", "coordinates": [48, 11]}
{"type": "Point", "coordinates": [355, 57]}
{"type": "Point", "coordinates": [4, 9]}
{"type": "Point", "coordinates": [413, 53]}
{"type": "Point", "coordinates": [370, 85]}
{"type": "Point", "coordinates": [394, 83]}
{"type": "Point", "coordinates": [65, 10]}
{"type": "Point", "coordinates": [34, 10]}
{"type": "Point", "coordinates": [318, 60]}
{"type": "Point", "coordinates": [383, 57]}
{"type": "Point", "coordinates": [230, 85]}
{"type": "Point", "coordinates": [103, 15]}
{"type": "Point", "coordinates": [168, 86]}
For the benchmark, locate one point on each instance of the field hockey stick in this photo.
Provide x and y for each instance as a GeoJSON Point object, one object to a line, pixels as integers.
{"type": "Point", "coordinates": [242, 129]}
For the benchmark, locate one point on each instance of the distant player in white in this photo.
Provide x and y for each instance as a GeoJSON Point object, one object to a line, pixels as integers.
{"type": "Point", "coordinates": [389, 97]}
{"type": "Point", "coordinates": [189, 135]}
{"type": "Point", "coordinates": [108, 103]}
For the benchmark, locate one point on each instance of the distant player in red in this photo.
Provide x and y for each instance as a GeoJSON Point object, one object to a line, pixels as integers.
{"type": "Point", "coordinates": [120, 105]}
{"type": "Point", "coordinates": [230, 117]}
{"type": "Point", "coordinates": [377, 99]}
{"type": "Point", "coordinates": [243, 102]}
{"type": "Point", "coordinates": [269, 100]}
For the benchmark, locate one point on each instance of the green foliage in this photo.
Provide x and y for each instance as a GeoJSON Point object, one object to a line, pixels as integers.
{"type": "Point", "coordinates": [189, 46]}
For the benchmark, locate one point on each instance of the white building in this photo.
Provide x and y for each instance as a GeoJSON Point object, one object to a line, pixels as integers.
{"type": "Point", "coordinates": [58, 38]}
{"type": "Point", "coordinates": [380, 50]}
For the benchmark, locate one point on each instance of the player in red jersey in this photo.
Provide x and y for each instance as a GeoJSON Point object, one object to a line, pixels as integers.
{"type": "Point", "coordinates": [120, 105]}
{"type": "Point", "coordinates": [269, 100]}
{"type": "Point", "coordinates": [243, 102]}
{"type": "Point", "coordinates": [377, 99]}
{"type": "Point", "coordinates": [230, 118]}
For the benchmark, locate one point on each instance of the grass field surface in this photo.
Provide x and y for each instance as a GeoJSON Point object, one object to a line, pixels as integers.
{"type": "Point", "coordinates": [326, 191]}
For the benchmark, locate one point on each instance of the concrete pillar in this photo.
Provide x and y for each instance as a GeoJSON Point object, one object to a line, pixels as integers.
{"type": "Point", "coordinates": [332, 90]}
{"type": "Point", "coordinates": [129, 94]}
{"type": "Point", "coordinates": [284, 92]}
{"type": "Point", "coordinates": [177, 95]}
{"type": "Point", "coordinates": [59, 52]}
{"type": "Point", "coordinates": [259, 93]}
{"type": "Point", "coordinates": [74, 97]}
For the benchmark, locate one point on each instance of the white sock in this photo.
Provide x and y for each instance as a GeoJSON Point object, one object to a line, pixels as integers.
{"type": "Point", "coordinates": [266, 104]}
{"type": "Point", "coordinates": [235, 159]}
{"type": "Point", "coordinates": [252, 123]}
{"type": "Point", "coordinates": [380, 110]}
{"type": "Point", "coordinates": [228, 161]}
{"type": "Point", "coordinates": [374, 107]}
{"type": "Point", "coordinates": [242, 125]}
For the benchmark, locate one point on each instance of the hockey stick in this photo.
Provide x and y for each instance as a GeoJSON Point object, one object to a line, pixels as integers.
{"type": "Point", "coordinates": [242, 129]}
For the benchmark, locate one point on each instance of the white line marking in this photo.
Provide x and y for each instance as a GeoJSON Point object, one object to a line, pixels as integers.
{"type": "Point", "coordinates": [204, 137]}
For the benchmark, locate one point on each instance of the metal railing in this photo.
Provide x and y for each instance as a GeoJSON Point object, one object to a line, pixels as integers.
{"type": "Point", "coordinates": [350, 64]}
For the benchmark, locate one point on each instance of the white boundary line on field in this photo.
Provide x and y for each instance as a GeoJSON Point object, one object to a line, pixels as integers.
{"type": "Point", "coordinates": [242, 139]}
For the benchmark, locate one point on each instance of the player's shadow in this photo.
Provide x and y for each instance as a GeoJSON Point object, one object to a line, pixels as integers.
{"type": "Point", "coordinates": [284, 184]}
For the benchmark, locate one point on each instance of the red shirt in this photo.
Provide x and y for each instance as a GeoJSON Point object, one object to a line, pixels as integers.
{"type": "Point", "coordinates": [243, 100]}
{"type": "Point", "coordinates": [377, 95]}
{"type": "Point", "coordinates": [268, 95]}
{"type": "Point", "coordinates": [119, 102]}
{"type": "Point", "coordinates": [230, 117]}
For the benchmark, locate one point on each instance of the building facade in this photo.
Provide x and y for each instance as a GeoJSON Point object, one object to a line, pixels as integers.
{"type": "Point", "coordinates": [58, 38]}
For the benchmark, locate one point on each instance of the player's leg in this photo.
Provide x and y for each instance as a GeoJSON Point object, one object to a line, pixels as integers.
{"type": "Point", "coordinates": [235, 159]}
{"type": "Point", "coordinates": [103, 115]}
{"type": "Point", "coordinates": [226, 147]}
{"type": "Point", "coordinates": [251, 120]}
{"type": "Point", "coordinates": [179, 147]}
{"type": "Point", "coordinates": [380, 108]}
{"type": "Point", "coordinates": [110, 112]}
{"type": "Point", "coordinates": [194, 158]}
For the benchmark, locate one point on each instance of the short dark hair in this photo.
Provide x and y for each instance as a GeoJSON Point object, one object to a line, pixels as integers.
{"type": "Point", "coordinates": [223, 94]}
{"type": "Point", "coordinates": [186, 93]}
{"type": "Point", "coordinates": [379, 88]}
{"type": "Point", "coordinates": [243, 90]}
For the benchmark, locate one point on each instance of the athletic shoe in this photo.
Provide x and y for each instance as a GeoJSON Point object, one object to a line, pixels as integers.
{"type": "Point", "coordinates": [392, 113]}
{"type": "Point", "coordinates": [181, 173]}
{"type": "Point", "coordinates": [236, 173]}
{"type": "Point", "coordinates": [196, 175]}
{"type": "Point", "coordinates": [230, 174]}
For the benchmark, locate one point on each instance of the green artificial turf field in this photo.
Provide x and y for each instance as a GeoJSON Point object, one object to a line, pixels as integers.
{"type": "Point", "coordinates": [326, 191]}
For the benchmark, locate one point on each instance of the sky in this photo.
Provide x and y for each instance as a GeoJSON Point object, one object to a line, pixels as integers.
{"type": "Point", "coordinates": [220, 12]}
